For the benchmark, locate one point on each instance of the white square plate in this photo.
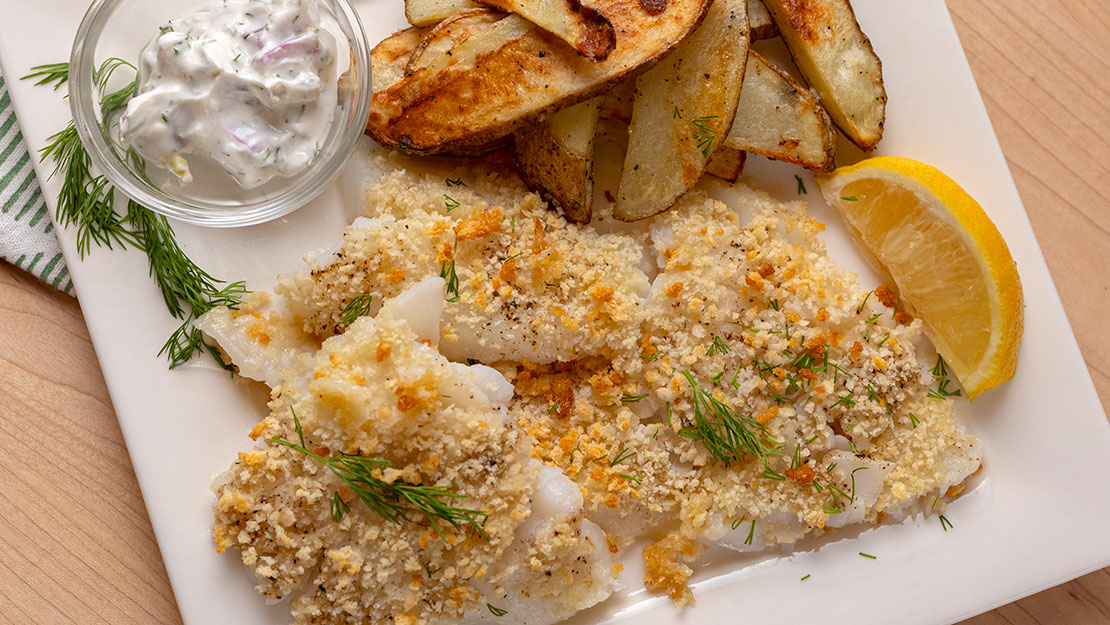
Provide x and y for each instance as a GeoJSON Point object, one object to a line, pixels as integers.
{"type": "Point", "coordinates": [1038, 518]}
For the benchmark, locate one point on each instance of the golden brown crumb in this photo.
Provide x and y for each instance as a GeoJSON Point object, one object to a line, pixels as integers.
{"type": "Point", "coordinates": [663, 571]}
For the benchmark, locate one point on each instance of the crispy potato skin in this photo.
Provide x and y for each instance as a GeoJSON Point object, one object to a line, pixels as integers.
{"type": "Point", "coordinates": [555, 158]}
{"type": "Point", "coordinates": [433, 112]}
{"type": "Point", "coordinates": [760, 22]}
{"type": "Point", "coordinates": [587, 30]}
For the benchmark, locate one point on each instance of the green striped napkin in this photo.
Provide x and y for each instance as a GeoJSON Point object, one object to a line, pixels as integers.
{"type": "Point", "coordinates": [26, 235]}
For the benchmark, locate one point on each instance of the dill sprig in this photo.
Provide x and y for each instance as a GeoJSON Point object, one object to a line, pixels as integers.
{"type": "Point", "coordinates": [940, 371]}
{"type": "Point", "coordinates": [945, 523]}
{"type": "Point", "coordinates": [357, 307]}
{"type": "Point", "coordinates": [496, 611]}
{"type": "Point", "coordinates": [87, 204]}
{"type": "Point", "coordinates": [704, 134]}
{"type": "Point", "coordinates": [727, 435]}
{"type": "Point", "coordinates": [447, 272]}
{"type": "Point", "coordinates": [393, 501]}
{"type": "Point", "coordinates": [718, 346]}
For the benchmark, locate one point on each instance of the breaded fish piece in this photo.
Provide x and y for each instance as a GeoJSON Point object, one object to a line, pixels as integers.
{"type": "Point", "coordinates": [523, 284]}
{"type": "Point", "coordinates": [381, 390]}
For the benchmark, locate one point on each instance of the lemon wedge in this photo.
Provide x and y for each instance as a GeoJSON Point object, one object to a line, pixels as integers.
{"type": "Point", "coordinates": [947, 258]}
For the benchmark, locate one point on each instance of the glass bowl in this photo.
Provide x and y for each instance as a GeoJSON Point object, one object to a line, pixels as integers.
{"type": "Point", "coordinates": [121, 29]}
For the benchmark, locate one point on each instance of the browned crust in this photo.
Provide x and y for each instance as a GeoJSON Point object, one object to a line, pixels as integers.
{"type": "Point", "coordinates": [595, 37]}
{"type": "Point", "coordinates": [430, 113]}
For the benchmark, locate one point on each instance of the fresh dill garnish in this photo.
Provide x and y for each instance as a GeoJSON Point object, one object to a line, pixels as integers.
{"type": "Point", "coordinates": [653, 357]}
{"type": "Point", "coordinates": [338, 506]}
{"type": "Point", "coordinates": [945, 523]}
{"type": "Point", "coordinates": [751, 534]}
{"type": "Point", "coordinates": [677, 114]}
{"type": "Point", "coordinates": [55, 74]}
{"type": "Point", "coordinates": [397, 501]}
{"type": "Point", "coordinates": [807, 576]}
{"type": "Point", "coordinates": [845, 401]}
{"type": "Point", "coordinates": [495, 610]}
{"type": "Point", "coordinates": [737, 523]}
{"type": "Point", "coordinates": [940, 371]}
{"type": "Point", "coordinates": [849, 198]}
{"type": "Point", "coordinates": [717, 375]}
{"type": "Point", "coordinates": [631, 399]}
{"type": "Point", "coordinates": [801, 185]}
{"type": "Point", "coordinates": [914, 420]}
{"type": "Point", "coordinates": [454, 182]}
{"type": "Point", "coordinates": [553, 408]}
{"type": "Point", "coordinates": [726, 435]}
{"type": "Point", "coordinates": [874, 319]}
{"type": "Point", "coordinates": [867, 555]}
{"type": "Point", "coordinates": [718, 346]}
{"type": "Point", "coordinates": [811, 439]}
{"type": "Point", "coordinates": [829, 468]}
{"type": "Point", "coordinates": [428, 569]}
{"type": "Point", "coordinates": [773, 304]}
{"type": "Point", "coordinates": [357, 307]}
{"type": "Point", "coordinates": [704, 134]}
{"type": "Point", "coordinates": [447, 272]}
{"type": "Point", "coordinates": [450, 202]}
{"type": "Point", "coordinates": [622, 455]}
{"type": "Point", "coordinates": [859, 309]}
{"type": "Point", "coordinates": [885, 339]}
{"type": "Point", "coordinates": [87, 203]}
{"type": "Point", "coordinates": [632, 478]}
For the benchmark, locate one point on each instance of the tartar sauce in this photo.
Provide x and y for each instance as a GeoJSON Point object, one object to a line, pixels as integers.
{"type": "Point", "coordinates": [248, 83]}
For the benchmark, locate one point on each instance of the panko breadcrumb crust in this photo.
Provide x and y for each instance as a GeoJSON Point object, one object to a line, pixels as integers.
{"type": "Point", "coordinates": [601, 336]}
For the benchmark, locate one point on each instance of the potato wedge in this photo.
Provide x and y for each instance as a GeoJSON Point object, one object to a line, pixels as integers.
{"type": "Point", "coordinates": [780, 119]}
{"type": "Point", "coordinates": [584, 28]}
{"type": "Point", "coordinates": [430, 12]}
{"type": "Point", "coordinates": [837, 60]}
{"type": "Point", "coordinates": [388, 61]}
{"type": "Point", "coordinates": [683, 109]}
{"type": "Point", "coordinates": [616, 104]}
{"type": "Point", "coordinates": [494, 84]}
{"type": "Point", "coordinates": [760, 22]}
{"type": "Point", "coordinates": [449, 33]}
{"type": "Point", "coordinates": [555, 158]}
{"type": "Point", "coordinates": [726, 163]}
{"type": "Point", "coordinates": [389, 58]}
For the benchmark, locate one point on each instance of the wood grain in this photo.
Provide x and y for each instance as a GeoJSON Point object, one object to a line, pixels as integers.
{"type": "Point", "coordinates": [76, 542]}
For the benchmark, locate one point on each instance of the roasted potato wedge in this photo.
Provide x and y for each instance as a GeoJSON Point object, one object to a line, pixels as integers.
{"type": "Point", "coordinates": [430, 12]}
{"type": "Point", "coordinates": [388, 61]}
{"type": "Point", "coordinates": [492, 84]}
{"type": "Point", "coordinates": [449, 33]}
{"type": "Point", "coordinates": [390, 57]}
{"type": "Point", "coordinates": [837, 60]}
{"type": "Point", "coordinates": [616, 104]}
{"type": "Point", "coordinates": [683, 109]}
{"type": "Point", "coordinates": [555, 158]}
{"type": "Point", "coordinates": [780, 119]}
{"type": "Point", "coordinates": [726, 163]}
{"type": "Point", "coordinates": [760, 22]}
{"type": "Point", "coordinates": [585, 29]}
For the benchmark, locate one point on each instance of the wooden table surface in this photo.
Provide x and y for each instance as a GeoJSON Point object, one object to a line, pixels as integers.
{"type": "Point", "coordinates": [75, 542]}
